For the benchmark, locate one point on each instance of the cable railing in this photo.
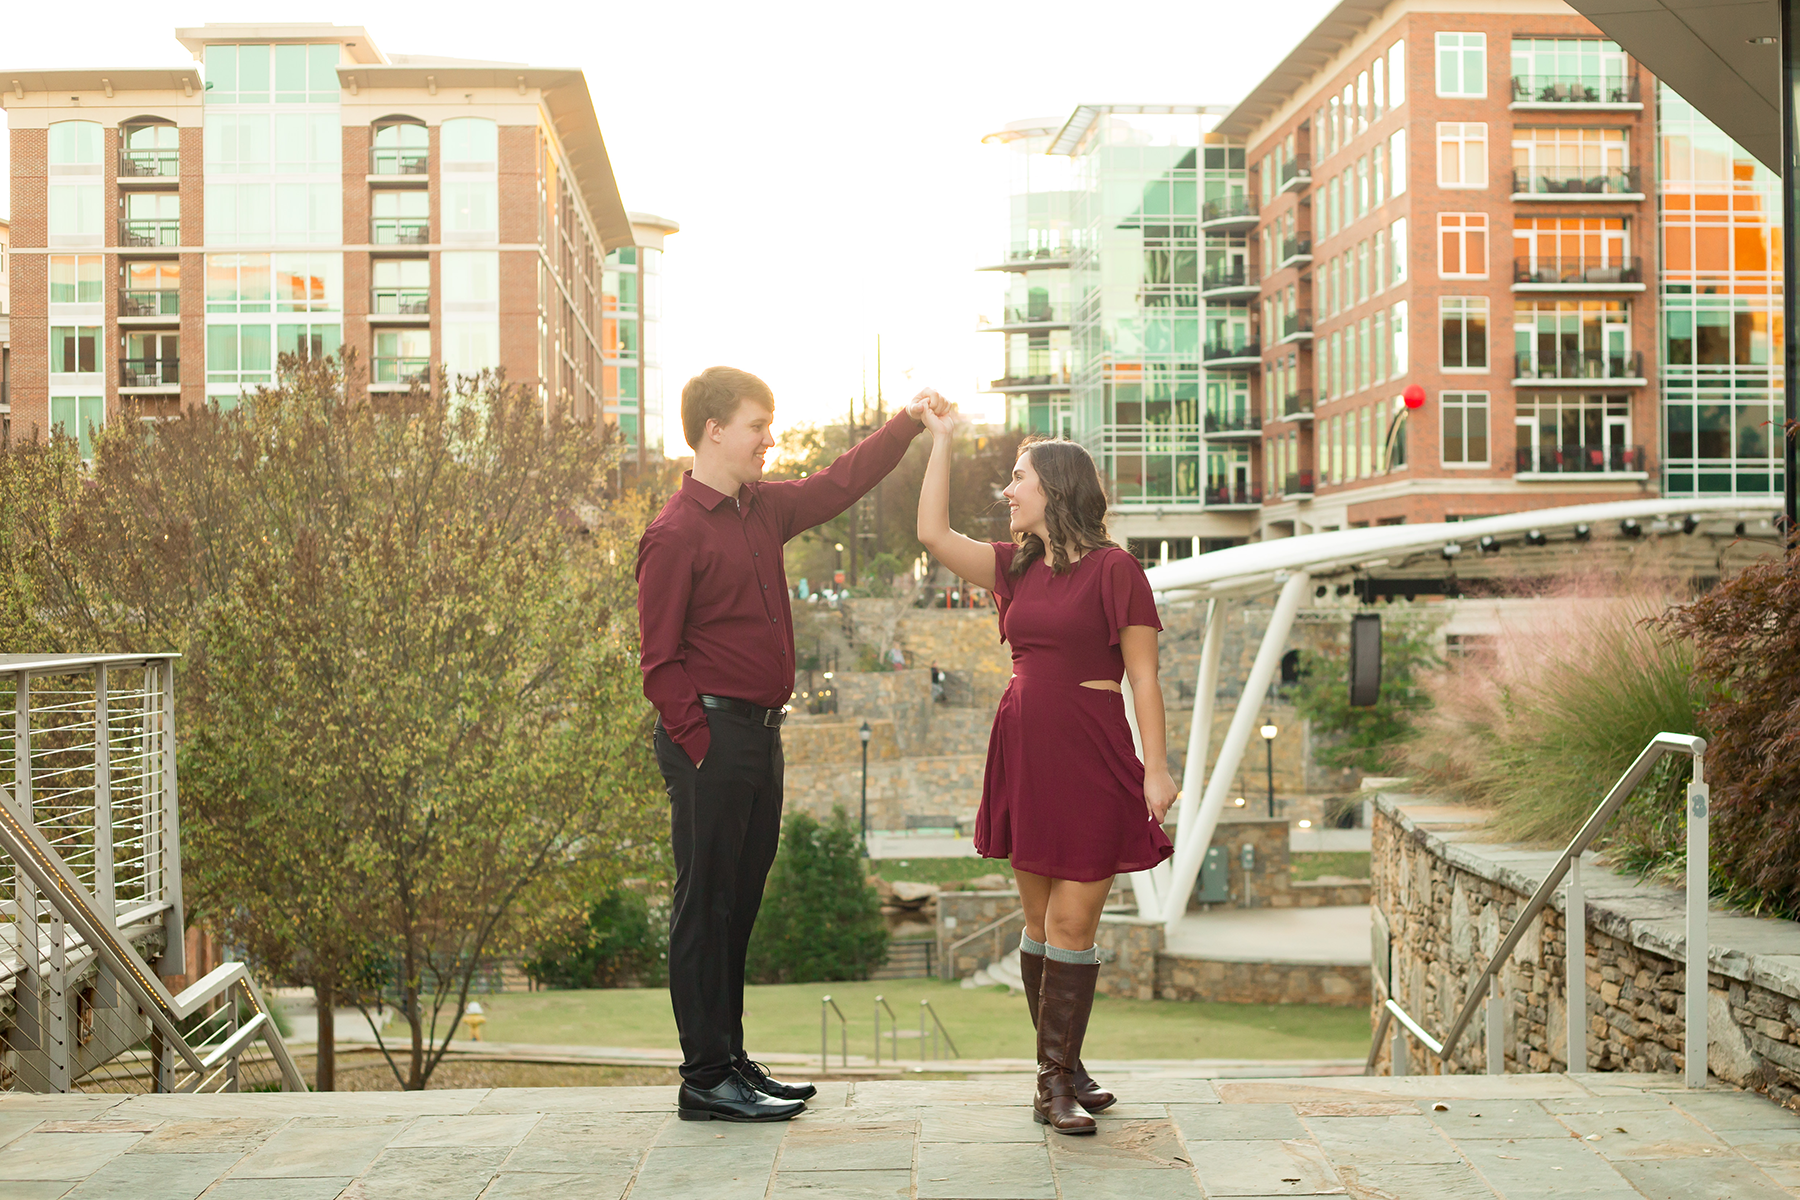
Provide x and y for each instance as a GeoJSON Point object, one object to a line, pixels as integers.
{"type": "Point", "coordinates": [1601, 88]}
{"type": "Point", "coordinates": [1561, 181]}
{"type": "Point", "coordinates": [1485, 989]}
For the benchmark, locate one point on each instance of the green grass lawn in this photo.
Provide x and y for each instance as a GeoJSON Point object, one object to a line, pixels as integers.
{"type": "Point", "coordinates": [985, 1022]}
{"type": "Point", "coordinates": [941, 871]}
{"type": "Point", "coordinates": [1310, 864]}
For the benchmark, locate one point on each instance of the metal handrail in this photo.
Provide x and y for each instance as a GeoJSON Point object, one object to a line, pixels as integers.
{"type": "Point", "coordinates": [843, 1033]}
{"type": "Point", "coordinates": [936, 1031]}
{"type": "Point", "coordinates": [948, 966]}
{"type": "Point", "coordinates": [1485, 989]}
{"type": "Point", "coordinates": [893, 1030]}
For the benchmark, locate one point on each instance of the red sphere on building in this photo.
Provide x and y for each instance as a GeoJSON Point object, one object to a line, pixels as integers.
{"type": "Point", "coordinates": [1414, 396]}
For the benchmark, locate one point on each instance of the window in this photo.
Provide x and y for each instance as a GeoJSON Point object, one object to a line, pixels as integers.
{"type": "Point", "coordinates": [1381, 346]}
{"type": "Point", "coordinates": [1363, 360]}
{"type": "Point", "coordinates": [308, 340]}
{"type": "Point", "coordinates": [1462, 154]}
{"type": "Point", "coordinates": [471, 279]}
{"type": "Point", "coordinates": [1462, 246]}
{"type": "Point", "coordinates": [471, 347]}
{"type": "Point", "coordinates": [237, 283]}
{"type": "Point", "coordinates": [1576, 339]}
{"type": "Point", "coordinates": [1564, 159]}
{"type": "Point", "coordinates": [1379, 255]}
{"type": "Point", "coordinates": [301, 74]}
{"type": "Point", "coordinates": [237, 214]}
{"type": "Point", "coordinates": [75, 349]}
{"type": "Point", "coordinates": [78, 417]}
{"type": "Point", "coordinates": [75, 279]}
{"type": "Point", "coordinates": [1397, 162]}
{"type": "Point", "coordinates": [1397, 255]}
{"type": "Point", "coordinates": [1378, 176]}
{"type": "Point", "coordinates": [308, 144]}
{"type": "Point", "coordinates": [308, 212]}
{"type": "Point", "coordinates": [309, 282]}
{"type": "Point", "coordinates": [1463, 320]}
{"type": "Point", "coordinates": [1465, 428]}
{"type": "Point", "coordinates": [1335, 140]}
{"type": "Point", "coordinates": [1572, 249]}
{"type": "Point", "coordinates": [401, 148]}
{"type": "Point", "coordinates": [1574, 433]}
{"type": "Point", "coordinates": [1377, 90]}
{"type": "Point", "coordinates": [402, 218]}
{"type": "Point", "coordinates": [402, 285]}
{"type": "Point", "coordinates": [1396, 73]}
{"type": "Point", "coordinates": [238, 354]}
{"type": "Point", "coordinates": [75, 214]}
{"type": "Point", "coordinates": [1462, 64]}
{"type": "Point", "coordinates": [470, 209]}
{"type": "Point", "coordinates": [1570, 70]}
{"type": "Point", "coordinates": [75, 144]}
{"type": "Point", "coordinates": [1333, 205]}
{"type": "Point", "coordinates": [1362, 186]}
{"type": "Point", "coordinates": [401, 355]}
{"type": "Point", "coordinates": [1713, 332]}
{"type": "Point", "coordinates": [1397, 327]}
{"type": "Point", "coordinates": [469, 143]}
{"type": "Point", "coordinates": [1362, 271]}
{"type": "Point", "coordinates": [1362, 101]}
{"type": "Point", "coordinates": [236, 143]}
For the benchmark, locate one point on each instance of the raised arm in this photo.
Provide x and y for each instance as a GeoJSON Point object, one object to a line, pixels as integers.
{"type": "Point", "coordinates": [1138, 644]}
{"type": "Point", "coordinates": [968, 558]}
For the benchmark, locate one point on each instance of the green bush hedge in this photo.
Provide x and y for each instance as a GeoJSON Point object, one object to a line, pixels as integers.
{"type": "Point", "coordinates": [820, 917]}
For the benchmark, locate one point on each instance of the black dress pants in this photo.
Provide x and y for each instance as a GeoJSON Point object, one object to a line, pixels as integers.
{"type": "Point", "coordinates": [725, 822]}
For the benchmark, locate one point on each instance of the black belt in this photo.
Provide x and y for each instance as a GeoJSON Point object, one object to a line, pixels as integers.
{"type": "Point", "coordinates": [772, 717]}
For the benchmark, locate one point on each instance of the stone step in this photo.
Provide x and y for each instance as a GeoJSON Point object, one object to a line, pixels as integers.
{"type": "Point", "coordinates": [1005, 972]}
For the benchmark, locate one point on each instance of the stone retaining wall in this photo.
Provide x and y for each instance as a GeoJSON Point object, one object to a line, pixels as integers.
{"type": "Point", "coordinates": [1443, 899]}
{"type": "Point", "coordinates": [1182, 978]}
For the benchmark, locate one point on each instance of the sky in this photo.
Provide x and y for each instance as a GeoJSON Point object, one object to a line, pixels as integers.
{"type": "Point", "coordinates": [824, 161]}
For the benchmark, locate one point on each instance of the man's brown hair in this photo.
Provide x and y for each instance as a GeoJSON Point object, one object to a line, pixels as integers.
{"type": "Point", "coordinates": [713, 395]}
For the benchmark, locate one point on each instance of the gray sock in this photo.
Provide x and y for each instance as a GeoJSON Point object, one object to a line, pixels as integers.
{"type": "Point", "coordinates": [1085, 957]}
{"type": "Point", "coordinates": [1027, 946]}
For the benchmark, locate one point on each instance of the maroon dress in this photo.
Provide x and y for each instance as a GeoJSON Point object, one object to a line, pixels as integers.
{"type": "Point", "coordinates": [1064, 791]}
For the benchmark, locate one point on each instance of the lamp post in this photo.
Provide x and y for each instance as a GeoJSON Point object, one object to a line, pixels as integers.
{"type": "Point", "coordinates": [863, 733]}
{"type": "Point", "coordinates": [1269, 732]}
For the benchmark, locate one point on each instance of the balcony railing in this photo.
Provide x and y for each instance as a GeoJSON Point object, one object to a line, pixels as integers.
{"type": "Point", "coordinates": [1043, 254]}
{"type": "Point", "coordinates": [1224, 494]}
{"type": "Point", "coordinates": [1576, 272]}
{"type": "Point", "coordinates": [1036, 314]}
{"type": "Point", "coordinates": [384, 161]}
{"type": "Point", "coordinates": [1297, 403]}
{"type": "Point", "coordinates": [150, 231]}
{"type": "Point", "coordinates": [150, 302]}
{"type": "Point", "coordinates": [398, 369]}
{"type": "Point", "coordinates": [1296, 171]}
{"type": "Point", "coordinates": [1243, 421]}
{"type": "Point", "coordinates": [149, 372]}
{"type": "Point", "coordinates": [1007, 383]}
{"type": "Point", "coordinates": [1229, 208]}
{"type": "Point", "coordinates": [1579, 460]}
{"type": "Point", "coordinates": [150, 164]}
{"type": "Point", "coordinates": [1589, 366]}
{"type": "Point", "coordinates": [405, 302]}
{"type": "Point", "coordinates": [1295, 248]}
{"type": "Point", "coordinates": [1572, 181]}
{"type": "Point", "coordinates": [1296, 323]}
{"type": "Point", "coordinates": [402, 231]}
{"type": "Point", "coordinates": [1241, 348]}
{"type": "Point", "coordinates": [1574, 89]}
{"type": "Point", "coordinates": [1227, 275]}
{"type": "Point", "coordinates": [1298, 484]}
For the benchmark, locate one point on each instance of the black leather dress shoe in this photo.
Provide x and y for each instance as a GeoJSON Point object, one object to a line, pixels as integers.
{"type": "Point", "coordinates": [757, 1076]}
{"type": "Point", "coordinates": [734, 1100]}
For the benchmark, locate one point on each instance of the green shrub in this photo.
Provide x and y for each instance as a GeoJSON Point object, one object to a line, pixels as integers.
{"type": "Point", "coordinates": [1367, 739]}
{"type": "Point", "coordinates": [820, 919]}
{"type": "Point", "coordinates": [623, 943]}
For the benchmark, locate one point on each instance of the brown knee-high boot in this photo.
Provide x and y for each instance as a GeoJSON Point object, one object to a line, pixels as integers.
{"type": "Point", "coordinates": [1093, 1097]}
{"type": "Point", "coordinates": [1064, 1005]}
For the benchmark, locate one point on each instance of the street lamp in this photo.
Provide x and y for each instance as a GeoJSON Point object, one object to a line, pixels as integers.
{"type": "Point", "coordinates": [1269, 732]}
{"type": "Point", "coordinates": [864, 733]}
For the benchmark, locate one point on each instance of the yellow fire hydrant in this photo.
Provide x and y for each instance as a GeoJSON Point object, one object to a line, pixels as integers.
{"type": "Point", "coordinates": [474, 1019]}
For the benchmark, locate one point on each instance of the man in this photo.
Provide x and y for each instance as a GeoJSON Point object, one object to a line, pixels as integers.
{"type": "Point", "coordinates": [718, 662]}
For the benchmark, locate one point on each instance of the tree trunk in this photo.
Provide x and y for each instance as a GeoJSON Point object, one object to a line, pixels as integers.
{"type": "Point", "coordinates": [417, 1081]}
{"type": "Point", "coordinates": [325, 1071]}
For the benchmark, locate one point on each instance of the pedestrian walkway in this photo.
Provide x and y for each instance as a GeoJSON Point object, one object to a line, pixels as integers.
{"type": "Point", "coordinates": [1522, 1137]}
{"type": "Point", "coordinates": [1336, 933]}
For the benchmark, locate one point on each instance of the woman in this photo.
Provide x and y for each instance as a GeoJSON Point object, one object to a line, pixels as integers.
{"type": "Point", "coordinates": [1065, 796]}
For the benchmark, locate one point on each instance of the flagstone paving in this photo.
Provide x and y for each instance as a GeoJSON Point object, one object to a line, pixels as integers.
{"type": "Point", "coordinates": [1466, 1137]}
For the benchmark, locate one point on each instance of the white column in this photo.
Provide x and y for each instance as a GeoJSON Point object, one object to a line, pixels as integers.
{"type": "Point", "coordinates": [1194, 836]}
{"type": "Point", "coordinates": [1694, 1018]}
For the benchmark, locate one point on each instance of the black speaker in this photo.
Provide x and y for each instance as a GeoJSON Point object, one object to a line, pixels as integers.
{"type": "Point", "coordinates": [1365, 660]}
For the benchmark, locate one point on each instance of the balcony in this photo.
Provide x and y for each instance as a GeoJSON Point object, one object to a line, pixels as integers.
{"type": "Point", "coordinates": [1296, 174]}
{"type": "Point", "coordinates": [1569, 91]}
{"type": "Point", "coordinates": [1031, 316]}
{"type": "Point", "coordinates": [1556, 461]}
{"type": "Point", "coordinates": [1242, 352]}
{"type": "Point", "coordinates": [1298, 486]}
{"type": "Point", "coordinates": [402, 231]}
{"type": "Point", "coordinates": [149, 233]}
{"type": "Point", "coordinates": [1034, 258]}
{"type": "Point", "coordinates": [146, 374]}
{"type": "Point", "coordinates": [1568, 183]}
{"type": "Point", "coordinates": [398, 370]}
{"type": "Point", "coordinates": [1297, 326]}
{"type": "Point", "coordinates": [1228, 496]}
{"type": "Point", "coordinates": [1229, 281]}
{"type": "Point", "coordinates": [1228, 214]}
{"type": "Point", "coordinates": [149, 164]}
{"type": "Point", "coordinates": [1617, 274]}
{"type": "Point", "coordinates": [1297, 405]}
{"type": "Point", "coordinates": [1241, 425]}
{"type": "Point", "coordinates": [400, 302]}
{"type": "Point", "coordinates": [412, 163]}
{"type": "Point", "coordinates": [149, 302]}
{"type": "Point", "coordinates": [1625, 369]}
{"type": "Point", "coordinates": [1296, 250]}
{"type": "Point", "coordinates": [1054, 382]}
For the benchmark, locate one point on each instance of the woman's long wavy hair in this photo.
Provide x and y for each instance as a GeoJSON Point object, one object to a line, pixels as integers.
{"type": "Point", "coordinates": [1074, 504]}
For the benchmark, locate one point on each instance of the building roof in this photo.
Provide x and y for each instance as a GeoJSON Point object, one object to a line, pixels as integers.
{"type": "Point", "coordinates": [353, 38]}
{"type": "Point", "coordinates": [1081, 121]}
{"type": "Point", "coordinates": [1341, 26]}
{"type": "Point", "coordinates": [16, 85]}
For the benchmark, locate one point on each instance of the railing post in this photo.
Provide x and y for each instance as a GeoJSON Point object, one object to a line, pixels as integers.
{"type": "Point", "coordinates": [1575, 966]}
{"type": "Point", "coordinates": [1694, 1036]}
{"type": "Point", "coordinates": [1399, 1052]}
{"type": "Point", "coordinates": [1496, 1028]}
{"type": "Point", "coordinates": [104, 892]}
{"type": "Point", "coordinates": [174, 955]}
{"type": "Point", "coordinates": [55, 1024]}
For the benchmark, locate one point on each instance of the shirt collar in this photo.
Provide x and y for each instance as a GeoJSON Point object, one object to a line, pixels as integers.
{"type": "Point", "coordinates": [706, 497]}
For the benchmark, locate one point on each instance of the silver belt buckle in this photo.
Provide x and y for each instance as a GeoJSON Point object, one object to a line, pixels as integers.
{"type": "Point", "coordinates": [772, 718]}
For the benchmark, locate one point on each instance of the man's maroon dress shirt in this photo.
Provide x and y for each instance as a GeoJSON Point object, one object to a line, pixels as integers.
{"type": "Point", "coordinates": [712, 589]}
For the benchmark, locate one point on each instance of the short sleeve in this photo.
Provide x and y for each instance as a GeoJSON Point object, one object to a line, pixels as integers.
{"type": "Point", "coordinates": [1003, 583]}
{"type": "Point", "coordinates": [1126, 596]}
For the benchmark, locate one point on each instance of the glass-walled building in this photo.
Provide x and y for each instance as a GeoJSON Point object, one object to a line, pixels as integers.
{"type": "Point", "coordinates": [631, 335]}
{"type": "Point", "coordinates": [1721, 309]}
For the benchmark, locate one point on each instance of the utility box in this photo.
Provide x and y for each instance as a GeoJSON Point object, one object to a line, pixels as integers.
{"type": "Point", "coordinates": [1214, 886]}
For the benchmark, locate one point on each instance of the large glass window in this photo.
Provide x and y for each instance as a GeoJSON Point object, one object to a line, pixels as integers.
{"type": "Point", "coordinates": [472, 277]}
{"type": "Point", "coordinates": [471, 346]}
{"type": "Point", "coordinates": [1397, 161]}
{"type": "Point", "coordinates": [402, 218]}
{"type": "Point", "coordinates": [469, 143]}
{"type": "Point", "coordinates": [1570, 70]}
{"type": "Point", "coordinates": [1396, 73]}
{"type": "Point", "coordinates": [75, 213]}
{"type": "Point", "coordinates": [308, 144]}
{"type": "Point", "coordinates": [308, 212]}
{"type": "Point", "coordinates": [308, 340]}
{"type": "Point", "coordinates": [239, 354]}
{"type": "Point", "coordinates": [309, 282]}
{"type": "Point", "coordinates": [237, 214]}
{"type": "Point", "coordinates": [471, 208]}
{"type": "Point", "coordinates": [78, 417]}
{"type": "Point", "coordinates": [1566, 433]}
{"type": "Point", "coordinates": [75, 143]}
{"type": "Point", "coordinates": [401, 148]}
{"type": "Point", "coordinates": [1711, 331]}
{"type": "Point", "coordinates": [1464, 322]}
{"type": "Point", "coordinates": [1572, 250]}
{"type": "Point", "coordinates": [75, 279]}
{"type": "Point", "coordinates": [1563, 159]}
{"type": "Point", "coordinates": [237, 283]}
{"type": "Point", "coordinates": [1462, 154]}
{"type": "Point", "coordinates": [1465, 420]}
{"type": "Point", "coordinates": [237, 143]}
{"type": "Point", "coordinates": [1573, 339]}
{"type": "Point", "coordinates": [401, 355]}
{"type": "Point", "coordinates": [1462, 246]}
{"type": "Point", "coordinates": [1462, 64]}
{"type": "Point", "coordinates": [402, 285]}
{"type": "Point", "coordinates": [301, 74]}
{"type": "Point", "coordinates": [151, 150]}
{"type": "Point", "coordinates": [75, 350]}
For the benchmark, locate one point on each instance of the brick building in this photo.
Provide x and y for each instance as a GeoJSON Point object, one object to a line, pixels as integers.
{"type": "Point", "coordinates": [176, 231]}
{"type": "Point", "coordinates": [5, 333]}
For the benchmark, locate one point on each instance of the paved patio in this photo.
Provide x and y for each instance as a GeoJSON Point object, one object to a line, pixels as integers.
{"type": "Point", "coordinates": [1431, 1138]}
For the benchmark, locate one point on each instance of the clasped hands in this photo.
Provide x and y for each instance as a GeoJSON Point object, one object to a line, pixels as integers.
{"type": "Point", "coordinates": [930, 407]}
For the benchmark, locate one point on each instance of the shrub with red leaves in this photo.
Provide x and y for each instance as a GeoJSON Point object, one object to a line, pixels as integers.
{"type": "Point", "coordinates": [1746, 637]}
